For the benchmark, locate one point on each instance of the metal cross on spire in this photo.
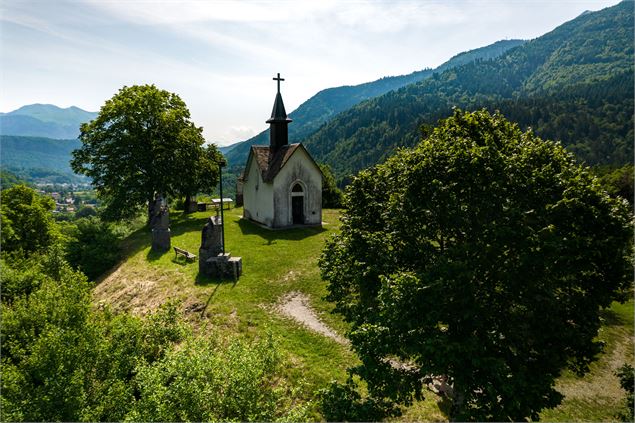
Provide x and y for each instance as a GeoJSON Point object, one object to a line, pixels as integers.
{"type": "Point", "coordinates": [278, 79]}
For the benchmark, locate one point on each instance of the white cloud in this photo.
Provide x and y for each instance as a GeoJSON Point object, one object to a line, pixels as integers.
{"type": "Point", "coordinates": [239, 133]}
{"type": "Point", "coordinates": [186, 12]}
{"type": "Point", "coordinates": [220, 55]}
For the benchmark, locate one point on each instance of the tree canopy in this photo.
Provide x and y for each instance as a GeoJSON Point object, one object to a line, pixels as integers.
{"type": "Point", "coordinates": [332, 196]}
{"type": "Point", "coordinates": [142, 143]}
{"type": "Point", "coordinates": [65, 359]}
{"type": "Point", "coordinates": [484, 255]}
{"type": "Point", "coordinates": [27, 224]}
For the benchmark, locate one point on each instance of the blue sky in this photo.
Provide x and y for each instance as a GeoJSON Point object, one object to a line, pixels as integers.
{"type": "Point", "coordinates": [220, 56]}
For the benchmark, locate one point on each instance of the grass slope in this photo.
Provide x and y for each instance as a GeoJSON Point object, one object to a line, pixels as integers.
{"type": "Point", "coordinates": [274, 263]}
{"type": "Point", "coordinates": [598, 396]}
{"type": "Point", "coordinates": [278, 262]}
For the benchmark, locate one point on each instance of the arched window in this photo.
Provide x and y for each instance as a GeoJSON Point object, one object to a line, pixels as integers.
{"type": "Point", "coordinates": [297, 188]}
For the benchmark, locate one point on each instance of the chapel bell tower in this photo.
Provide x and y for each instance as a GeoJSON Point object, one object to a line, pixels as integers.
{"type": "Point", "coordinates": [278, 129]}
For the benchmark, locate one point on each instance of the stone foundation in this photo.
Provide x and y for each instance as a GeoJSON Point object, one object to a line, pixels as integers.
{"type": "Point", "coordinates": [220, 265]}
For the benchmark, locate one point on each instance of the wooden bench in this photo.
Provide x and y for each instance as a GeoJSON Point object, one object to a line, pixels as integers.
{"type": "Point", "coordinates": [188, 256]}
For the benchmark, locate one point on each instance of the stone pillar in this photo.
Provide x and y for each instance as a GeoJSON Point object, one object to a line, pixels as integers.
{"type": "Point", "coordinates": [160, 223]}
{"type": "Point", "coordinates": [161, 239]}
{"type": "Point", "coordinates": [211, 260]}
{"type": "Point", "coordinates": [211, 241]}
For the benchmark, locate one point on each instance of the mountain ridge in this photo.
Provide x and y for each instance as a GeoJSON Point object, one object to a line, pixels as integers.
{"type": "Point", "coordinates": [44, 120]}
{"type": "Point", "coordinates": [584, 52]}
{"type": "Point", "coordinates": [37, 152]}
{"type": "Point", "coordinates": [327, 103]}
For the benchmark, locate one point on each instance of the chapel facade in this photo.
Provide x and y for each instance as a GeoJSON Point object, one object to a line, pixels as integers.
{"type": "Point", "coordinates": [282, 184]}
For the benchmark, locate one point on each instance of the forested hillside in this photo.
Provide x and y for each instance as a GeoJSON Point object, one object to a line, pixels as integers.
{"type": "Point", "coordinates": [326, 104]}
{"type": "Point", "coordinates": [37, 152]}
{"type": "Point", "coordinates": [574, 84]}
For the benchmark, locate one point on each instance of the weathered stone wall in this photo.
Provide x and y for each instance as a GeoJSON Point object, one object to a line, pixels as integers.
{"type": "Point", "coordinates": [300, 167]}
{"type": "Point", "coordinates": [257, 197]}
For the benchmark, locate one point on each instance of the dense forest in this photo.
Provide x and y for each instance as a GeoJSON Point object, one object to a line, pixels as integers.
{"type": "Point", "coordinates": [37, 152]}
{"type": "Point", "coordinates": [328, 103]}
{"type": "Point", "coordinates": [39, 160]}
{"type": "Point", "coordinates": [573, 84]}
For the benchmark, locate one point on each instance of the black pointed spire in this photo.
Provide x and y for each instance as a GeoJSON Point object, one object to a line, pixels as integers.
{"type": "Point", "coordinates": [278, 131]}
{"type": "Point", "coordinates": [278, 112]}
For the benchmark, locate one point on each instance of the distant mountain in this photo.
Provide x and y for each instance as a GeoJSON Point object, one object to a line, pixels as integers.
{"type": "Point", "coordinates": [573, 84]}
{"type": "Point", "coordinates": [226, 149]}
{"type": "Point", "coordinates": [44, 120]}
{"type": "Point", "coordinates": [36, 152]}
{"type": "Point", "coordinates": [328, 103]}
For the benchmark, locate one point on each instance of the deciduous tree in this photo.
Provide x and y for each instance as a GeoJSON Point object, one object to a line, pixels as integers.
{"type": "Point", "coordinates": [332, 196]}
{"type": "Point", "coordinates": [484, 255]}
{"type": "Point", "coordinates": [142, 142]}
{"type": "Point", "coordinates": [27, 223]}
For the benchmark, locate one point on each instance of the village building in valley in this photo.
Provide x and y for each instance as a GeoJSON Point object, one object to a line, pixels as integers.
{"type": "Point", "coordinates": [282, 184]}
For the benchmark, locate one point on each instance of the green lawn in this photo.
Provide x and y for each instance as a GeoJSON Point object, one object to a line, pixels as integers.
{"type": "Point", "coordinates": [598, 396]}
{"type": "Point", "coordinates": [274, 263]}
{"type": "Point", "coordinates": [278, 262]}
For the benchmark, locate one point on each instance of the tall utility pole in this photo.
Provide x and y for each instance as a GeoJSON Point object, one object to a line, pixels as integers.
{"type": "Point", "coordinates": [222, 217]}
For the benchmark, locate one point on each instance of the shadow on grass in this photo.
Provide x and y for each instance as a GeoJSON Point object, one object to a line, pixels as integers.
{"type": "Point", "coordinates": [155, 255]}
{"type": "Point", "coordinates": [270, 235]}
{"type": "Point", "coordinates": [203, 280]}
{"type": "Point", "coordinates": [181, 260]}
{"type": "Point", "coordinates": [141, 238]}
{"type": "Point", "coordinates": [611, 318]}
{"type": "Point", "coordinates": [180, 223]}
{"type": "Point", "coordinates": [183, 223]}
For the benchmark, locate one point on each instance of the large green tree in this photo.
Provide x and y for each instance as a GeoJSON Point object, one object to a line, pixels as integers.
{"type": "Point", "coordinates": [203, 175]}
{"type": "Point", "coordinates": [27, 224]}
{"type": "Point", "coordinates": [143, 142]}
{"type": "Point", "coordinates": [484, 255]}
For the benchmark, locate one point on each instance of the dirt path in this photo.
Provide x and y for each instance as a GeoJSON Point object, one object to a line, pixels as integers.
{"type": "Point", "coordinates": [296, 306]}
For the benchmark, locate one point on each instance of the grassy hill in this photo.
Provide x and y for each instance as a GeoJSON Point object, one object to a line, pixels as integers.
{"type": "Point", "coordinates": [274, 264]}
{"type": "Point", "coordinates": [277, 263]}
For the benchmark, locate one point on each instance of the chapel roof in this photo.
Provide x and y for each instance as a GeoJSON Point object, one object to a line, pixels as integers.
{"type": "Point", "coordinates": [270, 162]}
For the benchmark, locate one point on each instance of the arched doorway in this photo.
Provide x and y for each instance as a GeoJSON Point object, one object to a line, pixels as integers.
{"type": "Point", "coordinates": [297, 204]}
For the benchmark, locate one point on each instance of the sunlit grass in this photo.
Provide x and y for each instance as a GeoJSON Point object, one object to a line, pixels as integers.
{"type": "Point", "coordinates": [278, 262]}
{"type": "Point", "coordinates": [597, 396]}
{"type": "Point", "coordinates": [274, 263]}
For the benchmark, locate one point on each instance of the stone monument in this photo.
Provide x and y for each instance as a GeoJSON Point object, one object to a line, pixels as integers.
{"type": "Point", "coordinates": [160, 224]}
{"type": "Point", "coordinates": [213, 260]}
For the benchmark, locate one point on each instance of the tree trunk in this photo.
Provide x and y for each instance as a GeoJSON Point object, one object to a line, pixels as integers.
{"type": "Point", "coordinates": [187, 206]}
{"type": "Point", "coordinates": [458, 404]}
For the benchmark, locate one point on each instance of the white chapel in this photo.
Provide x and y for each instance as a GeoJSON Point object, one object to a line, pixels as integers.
{"type": "Point", "coordinates": [282, 184]}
